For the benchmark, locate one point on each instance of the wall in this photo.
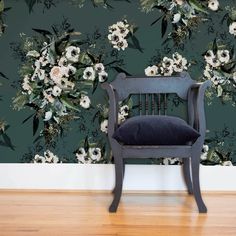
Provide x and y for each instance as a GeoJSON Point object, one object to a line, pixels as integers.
{"type": "Point", "coordinates": [26, 134]}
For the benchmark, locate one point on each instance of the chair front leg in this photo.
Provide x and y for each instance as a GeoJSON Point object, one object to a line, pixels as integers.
{"type": "Point", "coordinates": [113, 191]}
{"type": "Point", "coordinates": [187, 176]}
{"type": "Point", "coordinates": [195, 164]}
{"type": "Point", "coordinates": [119, 183]}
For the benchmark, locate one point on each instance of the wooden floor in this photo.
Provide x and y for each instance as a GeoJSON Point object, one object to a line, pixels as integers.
{"type": "Point", "coordinates": [80, 213]}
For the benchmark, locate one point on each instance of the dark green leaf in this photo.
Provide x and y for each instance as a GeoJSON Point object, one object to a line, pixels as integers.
{"type": "Point", "coordinates": [95, 85]}
{"type": "Point", "coordinates": [164, 24]}
{"type": "Point", "coordinates": [7, 140]}
{"type": "Point", "coordinates": [92, 58]}
{"type": "Point", "coordinates": [6, 9]}
{"type": "Point", "coordinates": [97, 114]}
{"type": "Point", "coordinates": [232, 52]}
{"type": "Point", "coordinates": [166, 40]}
{"type": "Point", "coordinates": [219, 154]}
{"type": "Point", "coordinates": [27, 118]}
{"type": "Point", "coordinates": [45, 33]}
{"type": "Point", "coordinates": [35, 124]}
{"type": "Point", "coordinates": [3, 75]}
{"type": "Point", "coordinates": [214, 47]}
{"type": "Point", "coordinates": [155, 21]}
{"type": "Point", "coordinates": [86, 144]}
{"type": "Point", "coordinates": [229, 68]}
{"type": "Point", "coordinates": [30, 4]}
{"type": "Point", "coordinates": [136, 43]}
{"type": "Point", "coordinates": [61, 44]}
{"type": "Point", "coordinates": [38, 138]}
{"type": "Point", "coordinates": [120, 70]}
{"type": "Point", "coordinates": [224, 18]}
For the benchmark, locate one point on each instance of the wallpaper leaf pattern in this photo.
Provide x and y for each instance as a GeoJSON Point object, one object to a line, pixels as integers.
{"type": "Point", "coordinates": [52, 70]}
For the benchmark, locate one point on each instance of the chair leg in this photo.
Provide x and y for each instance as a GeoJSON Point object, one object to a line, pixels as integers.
{"type": "Point", "coordinates": [187, 176]}
{"type": "Point", "coordinates": [195, 164]}
{"type": "Point", "coordinates": [123, 176]}
{"type": "Point", "coordinates": [119, 183]}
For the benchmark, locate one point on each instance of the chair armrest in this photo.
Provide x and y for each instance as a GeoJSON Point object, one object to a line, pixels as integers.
{"type": "Point", "coordinates": [196, 111]}
{"type": "Point", "coordinates": [113, 108]}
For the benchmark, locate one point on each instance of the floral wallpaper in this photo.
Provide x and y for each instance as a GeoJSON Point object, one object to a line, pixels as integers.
{"type": "Point", "coordinates": [55, 54]}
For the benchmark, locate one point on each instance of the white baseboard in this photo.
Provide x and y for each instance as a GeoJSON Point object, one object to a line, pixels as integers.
{"type": "Point", "coordinates": [101, 177]}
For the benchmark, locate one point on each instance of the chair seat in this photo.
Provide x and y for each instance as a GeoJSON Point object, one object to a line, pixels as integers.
{"type": "Point", "coordinates": [155, 130]}
{"type": "Point", "coordinates": [153, 151]}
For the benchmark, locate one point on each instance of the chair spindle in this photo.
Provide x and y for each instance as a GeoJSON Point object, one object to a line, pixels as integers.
{"type": "Point", "coordinates": [140, 104]}
{"type": "Point", "coordinates": [165, 104]}
{"type": "Point", "coordinates": [153, 104]}
{"type": "Point", "coordinates": [146, 104]}
{"type": "Point", "coordinates": [159, 104]}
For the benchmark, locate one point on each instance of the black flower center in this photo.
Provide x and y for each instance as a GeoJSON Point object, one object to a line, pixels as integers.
{"type": "Point", "coordinates": [73, 53]}
{"type": "Point", "coordinates": [95, 152]}
{"type": "Point", "coordinates": [88, 73]}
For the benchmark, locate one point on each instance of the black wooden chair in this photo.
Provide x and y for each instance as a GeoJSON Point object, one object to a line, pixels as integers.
{"type": "Point", "coordinates": [186, 89]}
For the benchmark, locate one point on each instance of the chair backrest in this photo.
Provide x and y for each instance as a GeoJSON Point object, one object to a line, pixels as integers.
{"type": "Point", "coordinates": [152, 91]}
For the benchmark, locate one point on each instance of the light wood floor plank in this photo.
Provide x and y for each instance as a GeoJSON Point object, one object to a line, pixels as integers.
{"type": "Point", "coordinates": [79, 213]}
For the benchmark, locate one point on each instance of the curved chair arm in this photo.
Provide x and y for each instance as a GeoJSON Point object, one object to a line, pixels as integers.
{"type": "Point", "coordinates": [113, 108]}
{"type": "Point", "coordinates": [196, 111]}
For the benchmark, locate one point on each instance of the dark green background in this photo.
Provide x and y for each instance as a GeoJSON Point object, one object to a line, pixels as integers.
{"type": "Point", "coordinates": [87, 20]}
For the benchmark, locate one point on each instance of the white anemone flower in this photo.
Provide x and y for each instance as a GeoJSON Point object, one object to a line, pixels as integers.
{"type": "Point", "coordinates": [115, 37]}
{"type": "Point", "coordinates": [50, 157]}
{"type": "Point", "coordinates": [113, 28]}
{"type": "Point", "coordinates": [99, 67]}
{"type": "Point", "coordinates": [124, 110]}
{"type": "Point", "coordinates": [89, 74]}
{"type": "Point", "coordinates": [167, 62]}
{"type": "Point", "coordinates": [151, 70]}
{"type": "Point", "coordinates": [81, 156]}
{"type": "Point", "coordinates": [39, 159]}
{"type": "Point", "coordinates": [47, 116]}
{"type": "Point", "coordinates": [215, 62]}
{"type": "Point", "coordinates": [205, 150]}
{"type": "Point", "coordinates": [72, 53]}
{"type": "Point", "coordinates": [85, 101]}
{"type": "Point", "coordinates": [95, 154]}
{"type": "Point", "coordinates": [56, 74]}
{"type": "Point", "coordinates": [176, 18]}
{"type": "Point", "coordinates": [227, 163]}
{"type": "Point", "coordinates": [48, 95]}
{"type": "Point", "coordinates": [68, 70]}
{"type": "Point", "coordinates": [122, 44]}
{"type": "Point", "coordinates": [63, 61]}
{"type": "Point", "coordinates": [180, 63]}
{"type": "Point", "coordinates": [102, 76]}
{"type": "Point", "coordinates": [167, 71]}
{"type": "Point", "coordinates": [232, 28]}
{"type": "Point", "coordinates": [104, 126]}
{"type": "Point", "coordinates": [223, 56]}
{"type": "Point", "coordinates": [209, 56]}
{"type": "Point", "coordinates": [123, 28]}
{"type": "Point", "coordinates": [213, 5]}
{"type": "Point", "coordinates": [56, 91]}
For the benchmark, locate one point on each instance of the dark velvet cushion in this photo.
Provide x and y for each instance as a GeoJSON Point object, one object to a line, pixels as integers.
{"type": "Point", "coordinates": [155, 130]}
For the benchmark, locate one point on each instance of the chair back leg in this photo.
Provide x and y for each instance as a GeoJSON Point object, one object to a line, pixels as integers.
{"type": "Point", "coordinates": [119, 165]}
{"type": "Point", "coordinates": [195, 164]}
{"type": "Point", "coordinates": [186, 174]}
